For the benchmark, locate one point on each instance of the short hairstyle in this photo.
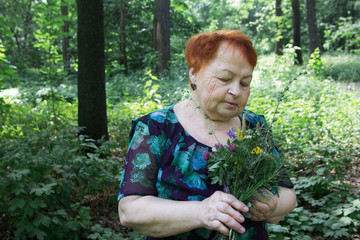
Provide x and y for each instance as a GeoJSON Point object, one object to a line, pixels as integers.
{"type": "Point", "coordinates": [201, 48]}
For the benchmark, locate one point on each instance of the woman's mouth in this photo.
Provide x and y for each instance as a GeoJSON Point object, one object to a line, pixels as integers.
{"type": "Point", "coordinates": [231, 105]}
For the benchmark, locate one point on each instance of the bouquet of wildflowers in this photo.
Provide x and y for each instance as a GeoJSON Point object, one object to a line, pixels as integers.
{"type": "Point", "coordinates": [246, 164]}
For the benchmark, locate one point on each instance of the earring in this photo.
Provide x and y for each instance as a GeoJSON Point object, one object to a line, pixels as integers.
{"type": "Point", "coordinates": [193, 86]}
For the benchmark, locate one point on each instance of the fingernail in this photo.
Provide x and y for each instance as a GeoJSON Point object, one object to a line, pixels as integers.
{"type": "Point", "coordinates": [242, 230]}
{"type": "Point", "coordinates": [246, 209]}
{"type": "Point", "coordinates": [241, 219]}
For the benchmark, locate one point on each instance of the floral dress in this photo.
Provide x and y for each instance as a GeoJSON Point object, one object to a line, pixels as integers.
{"type": "Point", "coordinates": [163, 160]}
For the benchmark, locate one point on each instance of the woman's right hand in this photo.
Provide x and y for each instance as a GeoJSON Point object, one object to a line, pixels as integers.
{"type": "Point", "coordinates": [221, 211]}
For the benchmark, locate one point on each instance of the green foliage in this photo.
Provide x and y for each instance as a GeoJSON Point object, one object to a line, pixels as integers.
{"type": "Point", "coordinates": [333, 214]}
{"type": "Point", "coordinates": [316, 130]}
{"type": "Point", "coordinates": [7, 71]}
{"type": "Point", "coordinates": [138, 31]}
{"type": "Point", "coordinates": [309, 119]}
{"type": "Point", "coordinates": [315, 63]}
{"type": "Point", "coordinates": [347, 32]}
{"type": "Point", "coordinates": [140, 93]}
{"type": "Point", "coordinates": [47, 177]}
{"type": "Point", "coordinates": [246, 164]}
{"type": "Point", "coordinates": [98, 232]}
{"type": "Point", "coordinates": [50, 176]}
{"type": "Point", "coordinates": [342, 67]}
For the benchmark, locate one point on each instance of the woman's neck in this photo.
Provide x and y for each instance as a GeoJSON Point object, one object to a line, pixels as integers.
{"type": "Point", "coordinates": [199, 114]}
{"type": "Point", "coordinates": [195, 123]}
{"type": "Point", "coordinates": [196, 114]}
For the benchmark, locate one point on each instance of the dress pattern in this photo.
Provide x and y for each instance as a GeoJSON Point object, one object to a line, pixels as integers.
{"type": "Point", "coordinates": [163, 160]}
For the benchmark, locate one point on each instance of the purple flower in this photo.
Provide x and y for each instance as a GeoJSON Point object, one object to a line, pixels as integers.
{"type": "Point", "coordinates": [227, 189]}
{"type": "Point", "coordinates": [206, 156]}
{"type": "Point", "coordinates": [217, 146]}
{"type": "Point", "coordinates": [231, 133]}
{"type": "Point", "coordinates": [232, 147]}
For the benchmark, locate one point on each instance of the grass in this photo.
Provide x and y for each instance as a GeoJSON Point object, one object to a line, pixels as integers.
{"type": "Point", "coordinates": [342, 67]}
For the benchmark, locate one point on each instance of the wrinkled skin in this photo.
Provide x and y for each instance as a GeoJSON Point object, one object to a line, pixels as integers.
{"type": "Point", "coordinates": [223, 87]}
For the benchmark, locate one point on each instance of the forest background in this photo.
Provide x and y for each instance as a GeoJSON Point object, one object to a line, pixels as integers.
{"type": "Point", "coordinates": [73, 74]}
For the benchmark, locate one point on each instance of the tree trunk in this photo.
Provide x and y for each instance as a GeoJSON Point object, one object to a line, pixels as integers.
{"type": "Point", "coordinates": [161, 33]}
{"type": "Point", "coordinates": [91, 74]}
{"type": "Point", "coordinates": [279, 35]}
{"type": "Point", "coordinates": [122, 59]}
{"type": "Point", "coordinates": [65, 40]}
{"type": "Point", "coordinates": [312, 27]}
{"type": "Point", "coordinates": [296, 31]}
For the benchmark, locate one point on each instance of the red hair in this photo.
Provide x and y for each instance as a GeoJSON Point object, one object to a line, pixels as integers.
{"type": "Point", "coordinates": [201, 48]}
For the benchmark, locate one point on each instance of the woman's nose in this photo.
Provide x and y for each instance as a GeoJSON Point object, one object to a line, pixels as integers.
{"type": "Point", "coordinates": [234, 89]}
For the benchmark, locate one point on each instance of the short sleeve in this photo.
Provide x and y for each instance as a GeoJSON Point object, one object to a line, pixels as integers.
{"type": "Point", "coordinates": [141, 163]}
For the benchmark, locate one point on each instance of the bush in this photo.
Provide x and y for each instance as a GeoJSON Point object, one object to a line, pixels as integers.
{"type": "Point", "coordinates": [46, 179]}
{"type": "Point", "coordinates": [317, 131]}
{"type": "Point", "coordinates": [325, 209]}
{"type": "Point", "coordinates": [342, 67]}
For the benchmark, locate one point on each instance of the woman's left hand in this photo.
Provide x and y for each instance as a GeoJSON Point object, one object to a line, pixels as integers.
{"type": "Point", "coordinates": [263, 206]}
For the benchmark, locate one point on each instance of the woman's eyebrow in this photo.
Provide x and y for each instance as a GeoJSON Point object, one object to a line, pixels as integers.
{"type": "Point", "coordinates": [225, 71]}
{"type": "Point", "coordinates": [248, 76]}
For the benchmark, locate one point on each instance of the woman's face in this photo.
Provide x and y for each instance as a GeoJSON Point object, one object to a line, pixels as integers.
{"type": "Point", "coordinates": [223, 86]}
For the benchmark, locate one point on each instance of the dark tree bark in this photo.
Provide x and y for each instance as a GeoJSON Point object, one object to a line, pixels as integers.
{"type": "Point", "coordinates": [279, 36]}
{"type": "Point", "coordinates": [312, 27]}
{"type": "Point", "coordinates": [161, 33]}
{"type": "Point", "coordinates": [122, 59]}
{"type": "Point", "coordinates": [91, 73]}
{"type": "Point", "coordinates": [296, 30]}
{"type": "Point", "coordinates": [65, 40]}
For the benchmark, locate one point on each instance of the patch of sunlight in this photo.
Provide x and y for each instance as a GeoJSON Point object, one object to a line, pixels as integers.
{"type": "Point", "coordinates": [11, 95]}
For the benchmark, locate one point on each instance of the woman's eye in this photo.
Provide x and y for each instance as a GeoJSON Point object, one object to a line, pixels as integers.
{"type": "Point", "coordinates": [223, 79]}
{"type": "Point", "coordinates": [244, 84]}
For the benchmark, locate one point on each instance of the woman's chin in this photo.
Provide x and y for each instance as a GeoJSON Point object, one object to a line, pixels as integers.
{"type": "Point", "coordinates": [225, 116]}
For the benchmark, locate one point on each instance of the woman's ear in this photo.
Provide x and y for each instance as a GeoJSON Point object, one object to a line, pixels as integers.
{"type": "Point", "coordinates": [192, 75]}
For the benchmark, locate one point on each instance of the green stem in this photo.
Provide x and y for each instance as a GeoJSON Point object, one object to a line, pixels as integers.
{"type": "Point", "coordinates": [283, 94]}
{"type": "Point", "coordinates": [259, 184]}
{"type": "Point", "coordinates": [206, 118]}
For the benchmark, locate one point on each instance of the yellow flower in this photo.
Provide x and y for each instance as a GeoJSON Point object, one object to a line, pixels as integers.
{"type": "Point", "coordinates": [236, 163]}
{"type": "Point", "coordinates": [239, 135]}
{"type": "Point", "coordinates": [257, 150]}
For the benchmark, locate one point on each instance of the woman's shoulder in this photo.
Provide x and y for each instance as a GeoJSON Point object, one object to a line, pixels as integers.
{"type": "Point", "coordinates": [252, 118]}
{"type": "Point", "coordinates": [156, 121]}
{"type": "Point", "coordinates": [162, 116]}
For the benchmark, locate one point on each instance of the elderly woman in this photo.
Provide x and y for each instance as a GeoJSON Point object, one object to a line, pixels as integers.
{"type": "Point", "coordinates": [164, 191]}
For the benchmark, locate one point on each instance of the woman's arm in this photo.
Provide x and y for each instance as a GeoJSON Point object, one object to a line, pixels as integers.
{"type": "Point", "coordinates": [158, 217]}
{"type": "Point", "coordinates": [273, 208]}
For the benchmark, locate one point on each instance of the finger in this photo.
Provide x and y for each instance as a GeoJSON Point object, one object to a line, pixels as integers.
{"type": "Point", "coordinates": [266, 207]}
{"type": "Point", "coordinates": [229, 210]}
{"type": "Point", "coordinates": [260, 211]}
{"type": "Point", "coordinates": [231, 223]}
{"type": "Point", "coordinates": [219, 226]}
{"type": "Point", "coordinates": [257, 219]}
{"type": "Point", "coordinates": [261, 206]}
{"type": "Point", "coordinates": [234, 202]}
{"type": "Point", "coordinates": [263, 195]}
{"type": "Point", "coordinates": [256, 215]}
